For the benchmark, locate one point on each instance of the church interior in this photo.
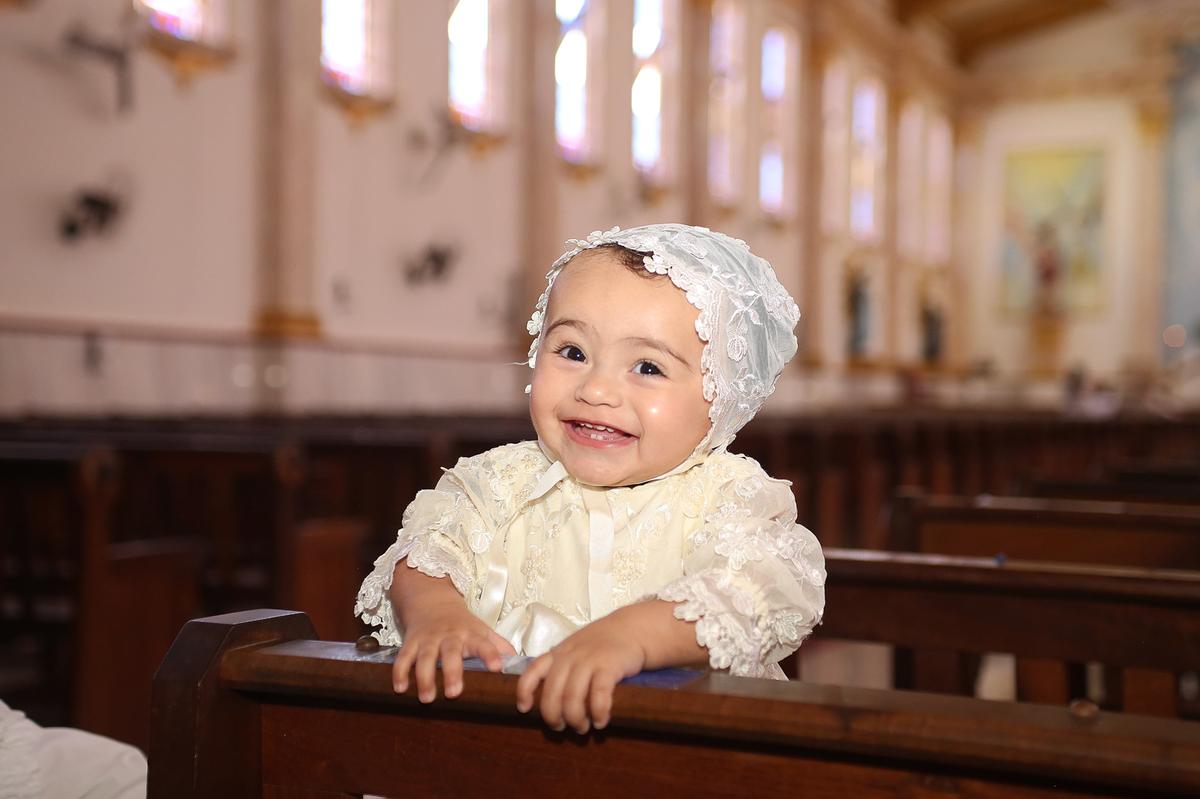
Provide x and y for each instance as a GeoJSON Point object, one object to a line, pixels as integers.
{"type": "Point", "coordinates": [306, 237]}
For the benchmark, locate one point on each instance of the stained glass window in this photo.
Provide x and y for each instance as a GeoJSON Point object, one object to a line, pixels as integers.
{"type": "Point", "coordinates": [572, 123]}
{"type": "Point", "coordinates": [911, 180]}
{"type": "Point", "coordinates": [355, 53]}
{"type": "Point", "coordinates": [650, 19]}
{"type": "Point", "coordinates": [834, 139]}
{"type": "Point", "coordinates": [725, 101]}
{"type": "Point", "coordinates": [467, 32]}
{"type": "Point", "coordinates": [779, 57]}
{"type": "Point", "coordinates": [938, 176]}
{"type": "Point", "coordinates": [202, 21]}
{"type": "Point", "coordinates": [866, 158]}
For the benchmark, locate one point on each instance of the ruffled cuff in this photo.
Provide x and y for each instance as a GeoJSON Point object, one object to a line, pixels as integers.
{"type": "Point", "coordinates": [732, 621]}
{"type": "Point", "coordinates": [374, 606]}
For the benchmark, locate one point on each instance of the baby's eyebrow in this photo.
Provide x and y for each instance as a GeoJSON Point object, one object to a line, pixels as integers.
{"type": "Point", "coordinates": [661, 346]}
{"type": "Point", "coordinates": [576, 323]}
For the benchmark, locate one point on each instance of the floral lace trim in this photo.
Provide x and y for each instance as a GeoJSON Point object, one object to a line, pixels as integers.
{"type": "Point", "coordinates": [745, 643]}
{"type": "Point", "coordinates": [733, 290]}
{"type": "Point", "coordinates": [373, 605]}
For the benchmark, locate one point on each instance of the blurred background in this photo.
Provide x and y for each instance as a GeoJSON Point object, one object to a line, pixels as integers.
{"type": "Point", "coordinates": [265, 266]}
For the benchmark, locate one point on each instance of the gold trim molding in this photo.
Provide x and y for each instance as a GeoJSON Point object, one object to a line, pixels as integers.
{"type": "Point", "coordinates": [287, 325]}
{"type": "Point", "coordinates": [187, 58]}
{"type": "Point", "coordinates": [358, 108]}
{"type": "Point", "coordinates": [581, 171]}
{"type": "Point", "coordinates": [1146, 79]}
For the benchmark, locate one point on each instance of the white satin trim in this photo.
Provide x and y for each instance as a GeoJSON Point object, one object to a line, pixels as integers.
{"type": "Point", "coordinates": [544, 628]}
{"type": "Point", "coordinates": [536, 630]}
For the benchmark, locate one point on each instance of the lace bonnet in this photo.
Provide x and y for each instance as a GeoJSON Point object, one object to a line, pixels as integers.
{"type": "Point", "coordinates": [746, 317]}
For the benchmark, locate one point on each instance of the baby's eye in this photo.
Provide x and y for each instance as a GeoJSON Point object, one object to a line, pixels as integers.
{"type": "Point", "coordinates": [647, 368]}
{"type": "Point", "coordinates": [571, 352]}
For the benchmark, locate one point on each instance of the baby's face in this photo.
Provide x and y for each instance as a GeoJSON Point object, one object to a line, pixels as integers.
{"type": "Point", "coordinates": [617, 391]}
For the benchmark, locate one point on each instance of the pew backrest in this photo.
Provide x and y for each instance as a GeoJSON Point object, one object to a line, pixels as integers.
{"type": "Point", "coordinates": [1069, 531]}
{"type": "Point", "coordinates": [1145, 622]}
{"type": "Point", "coordinates": [248, 705]}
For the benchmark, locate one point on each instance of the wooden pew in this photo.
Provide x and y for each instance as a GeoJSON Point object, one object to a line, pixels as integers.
{"type": "Point", "coordinates": [98, 614]}
{"type": "Point", "coordinates": [249, 705]}
{"type": "Point", "coordinates": [1151, 492]}
{"type": "Point", "coordinates": [1145, 622]}
{"type": "Point", "coordinates": [1176, 472]}
{"type": "Point", "coordinates": [239, 496]}
{"type": "Point", "coordinates": [1066, 531]}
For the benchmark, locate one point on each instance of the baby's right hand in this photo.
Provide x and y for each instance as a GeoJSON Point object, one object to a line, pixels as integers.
{"type": "Point", "coordinates": [445, 630]}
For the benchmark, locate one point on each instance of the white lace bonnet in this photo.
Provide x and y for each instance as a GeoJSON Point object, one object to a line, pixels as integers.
{"type": "Point", "coordinates": [746, 317]}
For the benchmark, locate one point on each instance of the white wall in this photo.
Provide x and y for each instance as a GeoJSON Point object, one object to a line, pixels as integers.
{"type": "Point", "coordinates": [174, 290]}
{"type": "Point", "coordinates": [185, 252]}
{"type": "Point", "coordinates": [375, 211]}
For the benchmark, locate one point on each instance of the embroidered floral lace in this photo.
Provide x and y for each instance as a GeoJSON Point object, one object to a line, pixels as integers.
{"type": "Point", "coordinates": [720, 539]}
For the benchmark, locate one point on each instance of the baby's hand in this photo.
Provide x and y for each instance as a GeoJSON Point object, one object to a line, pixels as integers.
{"type": "Point", "coordinates": [445, 630]}
{"type": "Point", "coordinates": [580, 674]}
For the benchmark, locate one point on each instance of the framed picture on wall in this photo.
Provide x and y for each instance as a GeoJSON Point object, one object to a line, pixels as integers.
{"type": "Point", "coordinates": [1052, 247]}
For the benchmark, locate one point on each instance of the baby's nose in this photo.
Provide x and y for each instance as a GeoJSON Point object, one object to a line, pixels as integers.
{"type": "Point", "coordinates": [599, 387]}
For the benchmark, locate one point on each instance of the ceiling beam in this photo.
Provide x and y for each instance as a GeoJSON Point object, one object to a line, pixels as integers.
{"type": "Point", "coordinates": [1014, 21]}
{"type": "Point", "coordinates": [908, 10]}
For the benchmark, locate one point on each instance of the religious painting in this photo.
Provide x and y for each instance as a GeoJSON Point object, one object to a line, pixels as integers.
{"type": "Point", "coordinates": [1052, 250]}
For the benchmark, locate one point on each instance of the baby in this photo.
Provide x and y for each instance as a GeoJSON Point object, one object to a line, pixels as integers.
{"type": "Point", "coordinates": [626, 537]}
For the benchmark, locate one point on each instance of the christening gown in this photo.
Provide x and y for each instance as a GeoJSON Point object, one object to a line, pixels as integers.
{"type": "Point", "coordinates": [538, 555]}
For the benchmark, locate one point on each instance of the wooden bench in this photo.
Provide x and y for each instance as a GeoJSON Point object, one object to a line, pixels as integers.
{"type": "Point", "coordinates": [1150, 492]}
{"type": "Point", "coordinates": [1143, 622]}
{"type": "Point", "coordinates": [96, 616]}
{"type": "Point", "coordinates": [240, 497]}
{"type": "Point", "coordinates": [249, 705]}
{"type": "Point", "coordinates": [1180, 472]}
{"type": "Point", "coordinates": [1066, 531]}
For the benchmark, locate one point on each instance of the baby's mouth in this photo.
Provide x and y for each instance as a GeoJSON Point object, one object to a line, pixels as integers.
{"type": "Point", "coordinates": [596, 433]}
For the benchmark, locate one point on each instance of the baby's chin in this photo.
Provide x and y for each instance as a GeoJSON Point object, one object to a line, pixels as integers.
{"type": "Point", "coordinates": [602, 478]}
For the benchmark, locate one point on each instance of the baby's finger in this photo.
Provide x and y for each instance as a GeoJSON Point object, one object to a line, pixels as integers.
{"type": "Point", "coordinates": [552, 696]}
{"type": "Point", "coordinates": [401, 667]}
{"type": "Point", "coordinates": [575, 693]}
{"type": "Point", "coordinates": [502, 644]}
{"type": "Point", "coordinates": [427, 674]}
{"type": "Point", "coordinates": [530, 679]}
{"type": "Point", "coordinates": [600, 700]}
{"type": "Point", "coordinates": [485, 650]}
{"type": "Point", "coordinates": [452, 668]}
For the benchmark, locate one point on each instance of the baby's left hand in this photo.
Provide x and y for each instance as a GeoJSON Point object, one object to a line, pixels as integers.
{"type": "Point", "coordinates": [580, 674]}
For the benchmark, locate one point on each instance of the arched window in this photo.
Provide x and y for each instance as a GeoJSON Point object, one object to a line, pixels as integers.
{"type": "Point", "coordinates": [356, 47]}
{"type": "Point", "coordinates": [577, 91]}
{"type": "Point", "coordinates": [477, 54]}
{"type": "Point", "coordinates": [726, 95]}
{"type": "Point", "coordinates": [191, 34]}
{"type": "Point", "coordinates": [188, 20]}
{"type": "Point", "coordinates": [911, 181]}
{"type": "Point", "coordinates": [655, 24]}
{"type": "Point", "coordinates": [939, 188]}
{"type": "Point", "coordinates": [834, 140]}
{"type": "Point", "coordinates": [866, 159]}
{"type": "Point", "coordinates": [779, 123]}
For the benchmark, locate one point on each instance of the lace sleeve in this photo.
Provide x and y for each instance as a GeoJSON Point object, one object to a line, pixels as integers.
{"type": "Point", "coordinates": [438, 528]}
{"type": "Point", "coordinates": [753, 579]}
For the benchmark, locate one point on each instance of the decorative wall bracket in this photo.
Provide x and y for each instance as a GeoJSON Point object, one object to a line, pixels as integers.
{"type": "Point", "coordinates": [358, 108]}
{"type": "Point", "coordinates": [185, 57]}
{"type": "Point", "coordinates": [80, 41]}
